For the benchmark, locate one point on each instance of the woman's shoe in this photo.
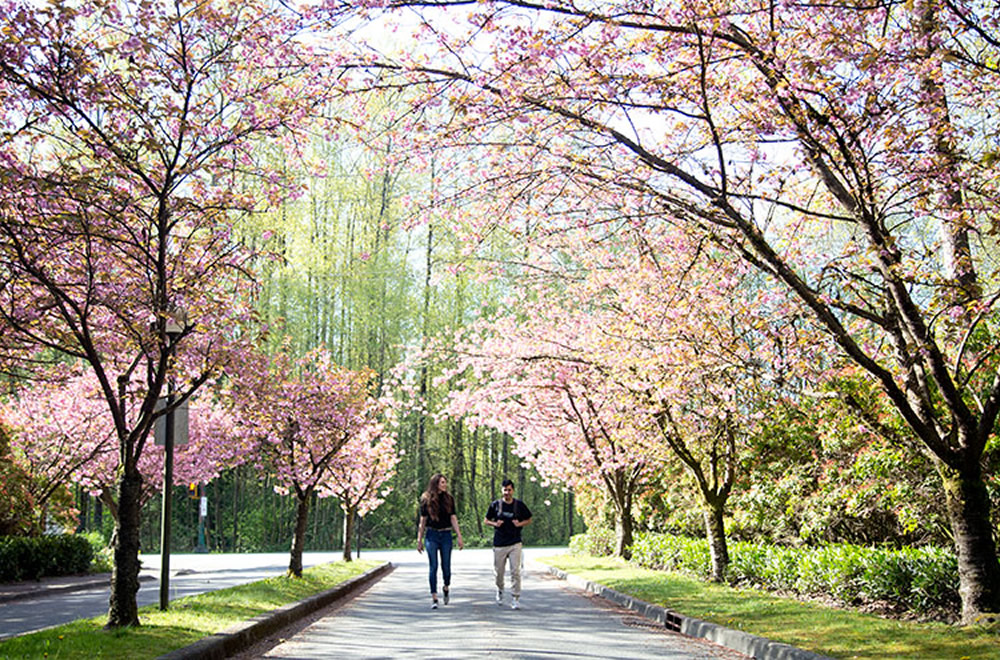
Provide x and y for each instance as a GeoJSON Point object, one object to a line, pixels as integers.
{"type": "Point", "coordinates": [434, 604]}
{"type": "Point", "coordinates": [446, 590]}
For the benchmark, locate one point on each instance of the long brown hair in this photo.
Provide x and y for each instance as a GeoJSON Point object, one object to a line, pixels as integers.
{"type": "Point", "coordinates": [430, 496]}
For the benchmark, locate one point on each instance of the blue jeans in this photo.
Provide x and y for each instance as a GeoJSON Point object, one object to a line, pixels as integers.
{"type": "Point", "coordinates": [438, 541]}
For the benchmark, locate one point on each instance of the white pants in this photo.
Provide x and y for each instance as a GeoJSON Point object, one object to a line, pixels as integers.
{"type": "Point", "coordinates": [503, 555]}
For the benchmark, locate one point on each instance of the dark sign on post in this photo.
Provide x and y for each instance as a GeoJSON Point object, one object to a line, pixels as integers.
{"type": "Point", "coordinates": [180, 424]}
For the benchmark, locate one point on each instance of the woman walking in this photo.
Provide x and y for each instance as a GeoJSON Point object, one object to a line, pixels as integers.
{"type": "Point", "coordinates": [437, 520]}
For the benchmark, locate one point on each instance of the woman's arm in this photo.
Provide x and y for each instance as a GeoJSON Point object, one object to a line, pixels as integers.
{"type": "Point", "coordinates": [420, 533]}
{"type": "Point", "coordinates": [454, 526]}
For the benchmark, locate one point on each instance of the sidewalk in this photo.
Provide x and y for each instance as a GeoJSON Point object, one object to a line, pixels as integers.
{"type": "Point", "coordinates": [11, 591]}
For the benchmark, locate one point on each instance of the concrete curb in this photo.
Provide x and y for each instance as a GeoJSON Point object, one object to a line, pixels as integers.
{"type": "Point", "coordinates": [243, 635]}
{"type": "Point", "coordinates": [756, 647]}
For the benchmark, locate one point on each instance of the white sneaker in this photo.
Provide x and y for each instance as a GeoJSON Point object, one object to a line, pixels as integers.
{"type": "Point", "coordinates": [515, 603]}
{"type": "Point", "coordinates": [499, 598]}
{"type": "Point", "coordinates": [434, 604]}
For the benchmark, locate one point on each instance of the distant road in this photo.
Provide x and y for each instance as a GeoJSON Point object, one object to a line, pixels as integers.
{"type": "Point", "coordinates": [189, 574]}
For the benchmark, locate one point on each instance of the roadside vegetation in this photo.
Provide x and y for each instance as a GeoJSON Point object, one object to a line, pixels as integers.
{"type": "Point", "coordinates": [830, 631]}
{"type": "Point", "coordinates": [188, 620]}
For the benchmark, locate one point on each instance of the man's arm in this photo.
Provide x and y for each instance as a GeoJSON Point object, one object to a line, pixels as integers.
{"type": "Point", "coordinates": [523, 509]}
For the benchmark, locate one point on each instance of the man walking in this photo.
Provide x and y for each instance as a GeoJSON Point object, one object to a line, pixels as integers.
{"type": "Point", "coordinates": [507, 516]}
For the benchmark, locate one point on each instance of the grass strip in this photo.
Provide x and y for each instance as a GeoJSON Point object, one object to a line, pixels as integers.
{"type": "Point", "coordinates": [189, 618]}
{"type": "Point", "coordinates": [838, 633]}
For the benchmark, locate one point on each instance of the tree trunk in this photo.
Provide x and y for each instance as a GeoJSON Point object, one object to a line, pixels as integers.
{"type": "Point", "coordinates": [621, 493]}
{"type": "Point", "coordinates": [349, 517]}
{"type": "Point", "coordinates": [473, 486]}
{"type": "Point", "coordinates": [978, 569]}
{"type": "Point", "coordinates": [457, 452]}
{"type": "Point", "coordinates": [624, 533]}
{"type": "Point", "coordinates": [123, 610]}
{"type": "Point", "coordinates": [715, 531]}
{"type": "Point", "coordinates": [299, 537]}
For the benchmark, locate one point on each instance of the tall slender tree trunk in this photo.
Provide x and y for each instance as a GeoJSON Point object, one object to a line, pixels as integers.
{"type": "Point", "coordinates": [299, 536]}
{"type": "Point", "coordinates": [458, 466]}
{"type": "Point", "coordinates": [421, 438]}
{"type": "Point", "coordinates": [473, 493]}
{"type": "Point", "coordinates": [571, 508]}
{"type": "Point", "coordinates": [237, 481]}
{"type": "Point", "coordinates": [98, 514]}
{"type": "Point", "coordinates": [123, 608]}
{"type": "Point", "coordinates": [493, 465]}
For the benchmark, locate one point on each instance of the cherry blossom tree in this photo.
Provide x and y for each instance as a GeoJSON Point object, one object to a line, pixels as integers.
{"type": "Point", "coordinates": [60, 433]}
{"type": "Point", "coordinates": [565, 417]}
{"type": "Point", "coordinates": [301, 414]}
{"type": "Point", "coordinates": [125, 127]}
{"type": "Point", "coordinates": [359, 474]}
{"type": "Point", "coordinates": [652, 372]}
{"type": "Point", "coordinates": [55, 430]}
{"type": "Point", "coordinates": [709, 357]}
{"type": "Point", "coordinates": [846, 151]}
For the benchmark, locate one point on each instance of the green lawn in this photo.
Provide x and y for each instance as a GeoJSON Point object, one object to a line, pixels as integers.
{"type": "Point", "coordinates": [188, 619]}
{"type": "Point", "coordinates": [833, 632]}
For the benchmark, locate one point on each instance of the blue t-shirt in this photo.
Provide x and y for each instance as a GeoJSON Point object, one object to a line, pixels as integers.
{"type": "Point", "coordinates": [507, 534]}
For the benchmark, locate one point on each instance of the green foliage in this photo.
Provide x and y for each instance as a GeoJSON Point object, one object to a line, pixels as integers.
{"type": "Point", "coordinates": [103, 554]}
{"type": "Point", "coordinates": [30, 558]}
{"type": "Point", "coordinates": [833, 632]}
{"type": "Point", "coordinates": [671, 504]}
{"type": "Point", "coordinates": [830, 479]}
{"type": "Point", "coordinates": [920, 580]}
{"type": "Point", "coordinates": [663, 551]}
{"type": "Point", "coordinates": [597, 541]}
{"type": "Point", "coordinates": [17, 506]}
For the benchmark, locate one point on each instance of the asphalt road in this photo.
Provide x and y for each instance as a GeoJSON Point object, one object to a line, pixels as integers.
{"type": "Point", "coordinates": [189, 574]}
{"type": "Point", "coordinates": [393, 619]}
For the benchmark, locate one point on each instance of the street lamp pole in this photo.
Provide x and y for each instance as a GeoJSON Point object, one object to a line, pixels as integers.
{"type": "Point", "coordinates": [173, 329]}
{"type": "Point", "coordinates": [168, 477]}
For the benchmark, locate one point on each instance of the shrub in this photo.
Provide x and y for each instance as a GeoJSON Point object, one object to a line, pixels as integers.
{"type": "Point", "coordinates": [781, 568]}
{"type": "Point", "coordinates": [18, 561]}
{"type": "Point", "coordinates": [914, 579]}
{"type": "Point", "coordinates": [103, 560]}
{"type": "Point", "coordinates": [30, 558]}
{"type": "Point", "coordinates": [833, 569]}
{"type": "Point", "coordinates": [887, 577]}
{"type": "Point", "coordinates": [677, 553]}
{"type": "Point", "coordinates": [747, 563]}
{"type": "Point", "coordinates": [597, 541]}
{"type": "Point", "coordinates": [935, 584]}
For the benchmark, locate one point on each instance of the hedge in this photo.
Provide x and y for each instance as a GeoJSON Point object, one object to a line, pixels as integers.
{"type": "Point", "coordinates": [913, 579]}
{"type": "Point", "coordinates": [31, 558]}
